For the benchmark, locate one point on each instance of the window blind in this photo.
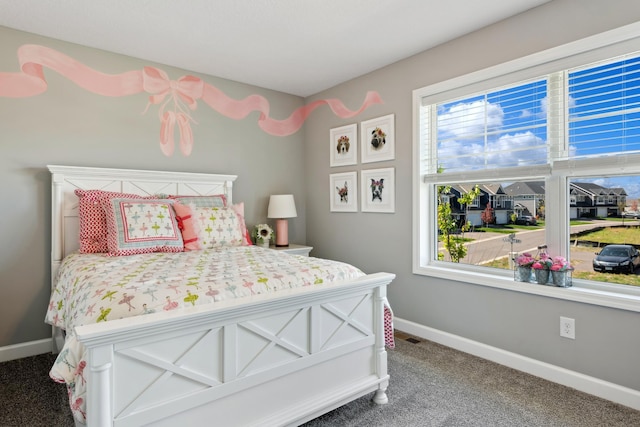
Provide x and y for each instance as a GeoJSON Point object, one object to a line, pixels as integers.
{"type": "Point", "coordinates": [604, 108]}
{"type": "Point", "coordinates": [502, 128]}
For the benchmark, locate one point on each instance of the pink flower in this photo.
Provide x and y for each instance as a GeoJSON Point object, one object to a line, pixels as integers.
{"type": "Point", "coordinates": [525, 260]}
{"type": "Point", "coordinates": [538, 265]}
{"type": "Point", "coordinates": [560, 264]}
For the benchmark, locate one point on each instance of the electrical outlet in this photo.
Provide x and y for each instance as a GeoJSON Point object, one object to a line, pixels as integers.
{"type": "Point", "coordinates": [568, 328]}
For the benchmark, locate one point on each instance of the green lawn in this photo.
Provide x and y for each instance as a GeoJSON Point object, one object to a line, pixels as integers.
{"type": "Point", "coordinates": [621, 279]}
{"type": "Point", "coordinates": [614, 235]}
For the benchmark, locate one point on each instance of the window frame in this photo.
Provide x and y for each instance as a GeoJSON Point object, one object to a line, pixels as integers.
{"type": "Point", "coordinates": [556, 174]}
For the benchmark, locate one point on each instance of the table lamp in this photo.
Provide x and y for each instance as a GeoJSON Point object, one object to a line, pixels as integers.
{"type": "Point", "coordinates": [281, 207]}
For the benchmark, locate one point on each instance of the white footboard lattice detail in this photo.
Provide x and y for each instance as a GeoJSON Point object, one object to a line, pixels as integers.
{"type": "Point", "coordinates": [269, 362]}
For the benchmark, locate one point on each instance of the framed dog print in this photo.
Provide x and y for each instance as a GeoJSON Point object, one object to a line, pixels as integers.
{"type": "Point", "coordinates": [377, 139]}
{"type": "Point", "coordinates": [343, 145]}
{"type": "Point", "coordinates": [343, 188]}
{"type": "Point", "coordinates": [378, 190]}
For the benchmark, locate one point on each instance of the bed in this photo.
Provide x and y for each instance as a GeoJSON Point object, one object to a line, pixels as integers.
{"type": "Point", "coordinates": [282, 353]}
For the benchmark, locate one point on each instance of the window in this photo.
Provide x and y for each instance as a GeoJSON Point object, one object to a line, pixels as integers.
{"type": "Point", "coordinates": [547, 147]}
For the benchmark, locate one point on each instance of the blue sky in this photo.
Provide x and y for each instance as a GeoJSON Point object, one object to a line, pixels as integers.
{"type": "Point", "coordinates": [508, 127]}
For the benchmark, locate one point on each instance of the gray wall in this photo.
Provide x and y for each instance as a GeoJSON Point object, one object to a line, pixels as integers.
{"type": "Point", "coordinates": [67, 125]}
{"type": "Point", "coordinates": [607, 344]}
{"type": "Point", "coordinates": [70, 126]}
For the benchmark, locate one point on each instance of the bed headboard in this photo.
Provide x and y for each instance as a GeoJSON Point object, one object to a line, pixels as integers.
{"type": "Point", "coordinates": [64, 202]}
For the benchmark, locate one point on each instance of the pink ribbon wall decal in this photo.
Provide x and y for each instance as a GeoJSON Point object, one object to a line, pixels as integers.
{"type": "Point", "coordinates": [175, 97]}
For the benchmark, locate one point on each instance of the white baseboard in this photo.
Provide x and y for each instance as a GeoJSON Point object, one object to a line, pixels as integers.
{"type": "Point", "coordinates": [591, 385]}
{"type": "Point", "coordinates": [27, 349]}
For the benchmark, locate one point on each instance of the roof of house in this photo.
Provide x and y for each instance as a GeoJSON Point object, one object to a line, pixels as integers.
{"type": "Point", "coordinates": [521, 188]}
{"type": "Point", "coordinates": [597, 190]}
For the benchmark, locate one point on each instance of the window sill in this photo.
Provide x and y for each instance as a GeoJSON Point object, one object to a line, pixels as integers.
{"type": "Point", "coordinates": [582, 291]}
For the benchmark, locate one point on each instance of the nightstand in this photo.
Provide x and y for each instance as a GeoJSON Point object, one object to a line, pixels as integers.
{"type": "Point", "coordinates": [293, 249]}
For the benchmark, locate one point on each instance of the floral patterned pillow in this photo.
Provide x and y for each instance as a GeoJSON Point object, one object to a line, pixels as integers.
{"type": "Point", "coordinates": [137, 226]}
{"type": "Point", "coordinates": [217, 227]}
{"type": "Point", "coordinates": [191, 231]}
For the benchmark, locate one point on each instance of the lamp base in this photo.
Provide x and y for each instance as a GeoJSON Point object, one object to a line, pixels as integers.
{"type": "Point", "coordinates": [282, 232]}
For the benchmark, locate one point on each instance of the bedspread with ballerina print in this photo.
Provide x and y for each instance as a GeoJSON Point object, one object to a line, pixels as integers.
{"type": "Point", "coordinates": [93, 288]}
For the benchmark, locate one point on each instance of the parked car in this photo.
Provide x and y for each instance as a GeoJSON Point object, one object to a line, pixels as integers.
{"type": "Point", "coordinates": [631, 214]}
{"type": "Point", "coordinates": [617, 259]}
{"type": "Point", "coordinates": [526, 220]}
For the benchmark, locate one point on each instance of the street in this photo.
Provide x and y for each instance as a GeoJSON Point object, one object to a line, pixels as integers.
{"type": "Point", "coordinates": [487, 246]}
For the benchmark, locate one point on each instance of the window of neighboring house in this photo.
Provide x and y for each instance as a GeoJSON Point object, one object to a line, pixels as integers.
{"type": "Point", "coordinates": [539, 139]}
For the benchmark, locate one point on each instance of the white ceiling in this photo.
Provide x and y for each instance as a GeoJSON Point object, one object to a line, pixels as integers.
{"type": "Point", "coordinates": [299, 47]}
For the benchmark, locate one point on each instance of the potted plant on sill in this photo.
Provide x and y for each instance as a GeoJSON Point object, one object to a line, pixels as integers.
{"type": "Point", "coordinates": [524, 261]}
{"type": "Point", "coordinates": [561, 272]}
{"type": "Point", "coordinates": [542, 267]}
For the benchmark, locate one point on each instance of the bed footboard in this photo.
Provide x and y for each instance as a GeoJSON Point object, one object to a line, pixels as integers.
{"type": "Point", "coordinates": [266, 362]}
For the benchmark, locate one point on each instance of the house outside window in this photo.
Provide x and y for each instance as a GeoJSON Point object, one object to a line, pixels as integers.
{"type": "Point", "coordinates": [556, 136]}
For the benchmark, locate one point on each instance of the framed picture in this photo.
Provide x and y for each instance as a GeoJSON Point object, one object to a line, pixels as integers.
{"type": "Point", "coordinates": [343, 188]}
{"type": "Point", "coordinates": [343, 145]}
{"type": "Point", "coordinates": [377, 139]}
{"type": "Point", "coordinates": [378, 190]}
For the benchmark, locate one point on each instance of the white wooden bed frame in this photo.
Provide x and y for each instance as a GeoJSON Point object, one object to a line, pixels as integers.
{"type": "Point", "coordinates": [259, 362]}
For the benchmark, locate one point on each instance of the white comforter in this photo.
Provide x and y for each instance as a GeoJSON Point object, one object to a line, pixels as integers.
{"type": "Point", "coordinates": [94, 288]}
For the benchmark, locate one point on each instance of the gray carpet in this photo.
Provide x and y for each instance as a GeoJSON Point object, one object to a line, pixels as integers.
{"type": "Point", "coordinates": [431, 385]}
{"type": "Point", "coordinates": [28, 397]}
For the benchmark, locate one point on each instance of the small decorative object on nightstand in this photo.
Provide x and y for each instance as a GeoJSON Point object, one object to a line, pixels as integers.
{"type": "Point", "coordinates": [293, 249]}
{"type": "Point", "coordinates": [262, 234]}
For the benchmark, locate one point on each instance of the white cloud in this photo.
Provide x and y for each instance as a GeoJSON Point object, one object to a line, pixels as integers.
{"type": "Point", "coordinates": [508, 150]}
{"type": "Point", "coordinates": [525, 113]}
{"type": "Point", "coordinates": [462, 134]}
{"type": "Point", "coordinates": [473, 118]}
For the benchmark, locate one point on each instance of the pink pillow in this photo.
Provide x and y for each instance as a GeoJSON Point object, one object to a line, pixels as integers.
{"type": "Point", "coordinates": [139, 226]}
{"type": "Point", "coordinates": [210, 227]}
{"type": "Point", "coordinates": [92, 219]}
{"type": "Point", "coordinates": [187, 227]}
{"type": "Point", "coordinates": [239, 208]}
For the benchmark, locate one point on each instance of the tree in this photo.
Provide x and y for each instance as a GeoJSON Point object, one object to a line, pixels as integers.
{"type": "Point", "coordinates": [466, 199]}
{"type": "Point", "coordinates": [488, 216]}
{"type": "Point", "coordinates": [540, 212]}
{"type": "Point", "coordinates": [447, 227]}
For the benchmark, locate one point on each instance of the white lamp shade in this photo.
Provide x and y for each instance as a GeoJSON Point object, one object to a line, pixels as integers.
{"type": "Point", "coordinates": [282, 206]}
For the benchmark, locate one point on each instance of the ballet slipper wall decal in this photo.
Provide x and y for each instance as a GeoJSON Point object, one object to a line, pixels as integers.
{"type": "Point", "coordinates": [167, 123]}
{"type": "Point", "coordinates": [175, 98]}
{"type": "Point", "coordinates": [181, 96]}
